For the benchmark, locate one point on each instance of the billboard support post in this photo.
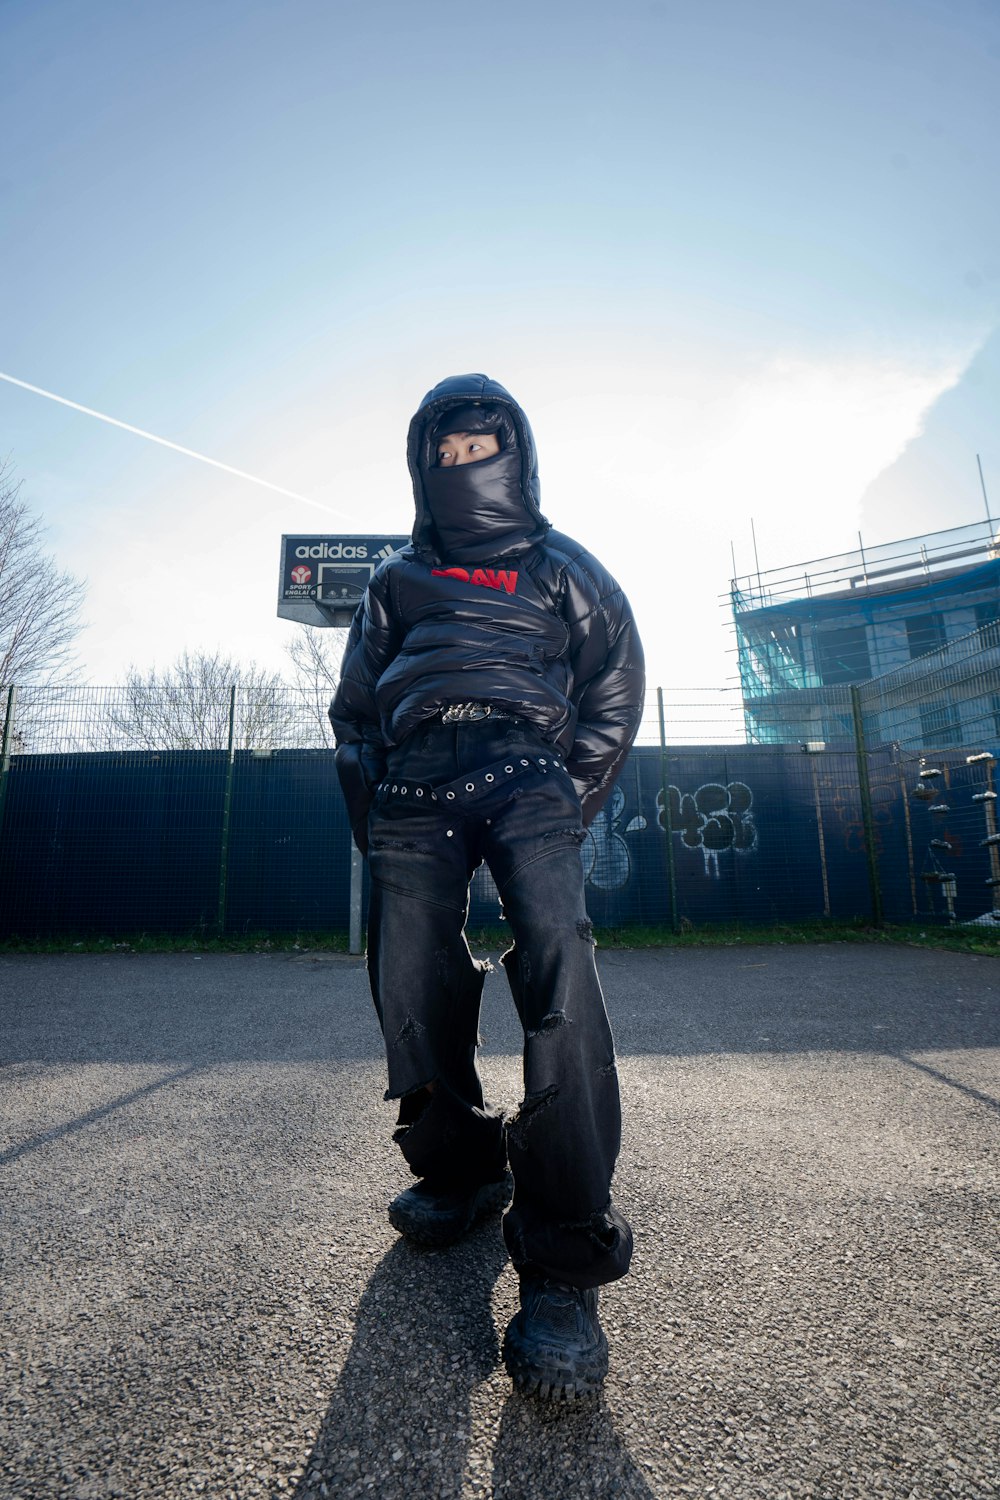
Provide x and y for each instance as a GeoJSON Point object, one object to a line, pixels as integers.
{"type": "Point", "coordinates": [357, 871]}
{"type": "Point", "coordinates": [227, 803]}
{"type": "Point", "coordinates": [5, 744]}
{"type": "Point", "coordinates": [321, 582]}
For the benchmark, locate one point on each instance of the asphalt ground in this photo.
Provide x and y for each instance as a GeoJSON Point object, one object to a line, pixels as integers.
{"type": "Point", "coordinates": [202, 1294]}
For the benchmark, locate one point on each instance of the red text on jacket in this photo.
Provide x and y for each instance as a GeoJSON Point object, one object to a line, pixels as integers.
{"type": "Point", "coordinates": [487, 578]}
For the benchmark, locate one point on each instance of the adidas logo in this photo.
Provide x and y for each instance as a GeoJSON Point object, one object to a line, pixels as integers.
{"type": "Point", "coordinates": [385, 552]}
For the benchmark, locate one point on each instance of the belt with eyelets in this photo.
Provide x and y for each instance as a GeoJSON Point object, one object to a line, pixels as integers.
{"type": "Point", "coordinates": [473, 785]}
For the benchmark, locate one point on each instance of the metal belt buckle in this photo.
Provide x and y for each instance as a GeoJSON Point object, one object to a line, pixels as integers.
{"type": "Point", "coordinates": [462, 713]}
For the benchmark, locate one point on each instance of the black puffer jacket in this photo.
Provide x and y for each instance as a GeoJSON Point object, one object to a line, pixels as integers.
{"type": "Point", "coordinates": [488, 603]}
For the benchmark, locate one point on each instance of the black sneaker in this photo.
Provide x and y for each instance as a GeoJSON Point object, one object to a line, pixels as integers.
{"type": "Point", "coordinates": [555, 1347]}
{"type": "Point", "coordinates": [432, 1216]}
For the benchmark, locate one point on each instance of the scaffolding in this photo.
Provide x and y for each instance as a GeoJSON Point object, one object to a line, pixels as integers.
{"type": "Point", "coordinates": [807, 633]}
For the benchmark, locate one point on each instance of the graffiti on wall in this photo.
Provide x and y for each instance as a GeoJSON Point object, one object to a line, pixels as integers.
{"type": "Point", "coordinates": [716, 819]}
{"type": "Point", "coordinates": [607, 863]}
{"type": "Point", "coordinates": [604, 853]}
{"type": "Point", "coordinates": [845, 801]}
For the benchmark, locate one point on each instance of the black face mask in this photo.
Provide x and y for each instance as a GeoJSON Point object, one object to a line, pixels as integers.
{"type": "Point", "coordinates": [478, 509]}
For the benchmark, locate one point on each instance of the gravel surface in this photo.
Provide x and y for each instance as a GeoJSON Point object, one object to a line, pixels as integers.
{"type": "Point", "coordinates": [202, 1295]}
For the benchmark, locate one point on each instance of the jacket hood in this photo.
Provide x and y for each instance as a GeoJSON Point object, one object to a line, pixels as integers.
{"type": "Point", "coordinates": [473, 511]}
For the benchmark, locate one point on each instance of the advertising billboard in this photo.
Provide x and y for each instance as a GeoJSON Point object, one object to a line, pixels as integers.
{"type": "Point", "coordinates": [322, 578]}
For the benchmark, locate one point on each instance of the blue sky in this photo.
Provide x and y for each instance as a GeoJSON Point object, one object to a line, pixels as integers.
{"type": "Point", "coordinates": [734, 260]}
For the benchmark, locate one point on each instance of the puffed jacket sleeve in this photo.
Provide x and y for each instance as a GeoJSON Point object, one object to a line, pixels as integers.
{"type": "Point", "coordinates": [372, 643]}
{"type": "Point", "coordinates": [608, 680]}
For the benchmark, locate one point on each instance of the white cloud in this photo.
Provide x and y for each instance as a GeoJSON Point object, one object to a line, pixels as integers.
{"type": "Point", "coordinates": [804, 440]}
{"type": "Point", "coordinates": [679, 460]}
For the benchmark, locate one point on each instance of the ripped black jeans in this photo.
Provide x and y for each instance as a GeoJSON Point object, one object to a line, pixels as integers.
{"type": "Point", "coordinates": [455, 796]}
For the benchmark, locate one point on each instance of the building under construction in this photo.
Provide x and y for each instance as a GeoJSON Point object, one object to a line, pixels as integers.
{"type": "Point", "coordinates": [809, 633]}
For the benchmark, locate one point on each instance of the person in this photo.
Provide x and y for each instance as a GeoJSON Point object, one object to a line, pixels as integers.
{"type": "Point", "coordinates": [491, 687]}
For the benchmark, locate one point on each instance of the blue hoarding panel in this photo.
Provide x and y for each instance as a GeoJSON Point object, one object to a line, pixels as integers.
{"type": "Point", "coordinates": [133, 842]}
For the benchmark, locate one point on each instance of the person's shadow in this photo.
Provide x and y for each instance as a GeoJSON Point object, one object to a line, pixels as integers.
{"type": "Point", "coordinates": [563, 1453]}
{"type": "Point", "coordinates": [399, 1421]}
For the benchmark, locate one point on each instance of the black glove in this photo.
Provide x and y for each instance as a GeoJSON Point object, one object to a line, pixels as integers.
{"type": "Point", "coordinates": [360, 769]}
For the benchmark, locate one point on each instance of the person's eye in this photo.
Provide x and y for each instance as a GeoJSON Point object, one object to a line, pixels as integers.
{"type": "Point", "coordinates": [475, 447]}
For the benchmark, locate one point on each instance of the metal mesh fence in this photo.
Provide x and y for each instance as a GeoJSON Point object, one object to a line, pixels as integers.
{"type": "Point", "coordinates": [126, 811]}
{"type": "Point", "coordinates": [130, 811]}
{"type": "Point", "coordinates": [948, 697]}
{"type": "Point", "coordinates": [693, 716]}
{"type": "Point", "coordinates": [941, 716]}
{"type": "Point", "coordinates": [77, 720]}
{"type": "Point", "coordinates": [722, 716]}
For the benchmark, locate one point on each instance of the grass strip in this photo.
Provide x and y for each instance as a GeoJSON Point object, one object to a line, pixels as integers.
{"type": "Point", "coordinates": [980, 940]}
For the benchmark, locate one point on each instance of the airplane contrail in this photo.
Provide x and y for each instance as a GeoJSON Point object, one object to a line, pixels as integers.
{"type": "Point", "coordinates": [166, 443]}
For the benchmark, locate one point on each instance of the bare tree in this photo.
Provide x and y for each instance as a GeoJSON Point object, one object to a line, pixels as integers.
{"type": "Point", "coordinates": [315, 655]}
{"type": "Point", "coordinates": [39, 604]}
{"type": "Point", "coordinates": [187, 707]}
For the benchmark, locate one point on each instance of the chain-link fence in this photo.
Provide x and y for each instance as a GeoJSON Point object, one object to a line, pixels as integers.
{"type": "Point", "coordinates": [128, 810]}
